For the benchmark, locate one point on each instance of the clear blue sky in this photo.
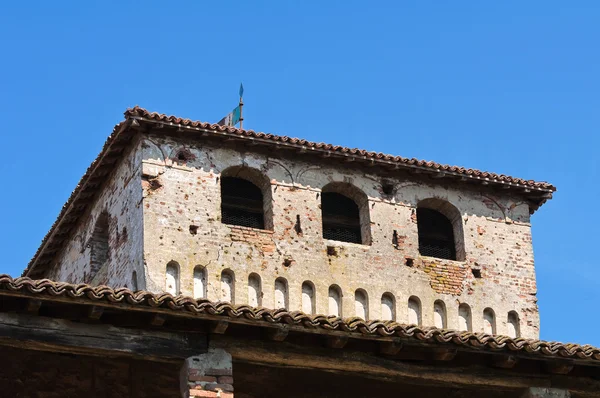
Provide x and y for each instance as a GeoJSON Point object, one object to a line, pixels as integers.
{"type": "Point", "coordinates": [509, 87]}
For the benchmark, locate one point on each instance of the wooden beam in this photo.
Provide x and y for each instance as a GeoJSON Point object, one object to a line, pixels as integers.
{"type": "Point", "coordinates": [505, 362]}
{"type": "Point", "coordinates": [278, 334]}
{"type": "Point", "coordinates": [390, 347]}
{"type": "Point", "coordinates": [58, 335]}
{"type": "Point", "coordinates": [337, 341]}
{"type": "Point", "coordinates": [289, 355]}
{"type": "Point", "coordinates": [444, 354]}
{"type": "Point", "coordinates": [158, 320]}
{"type": "Point", "coordinates": [558, 368]}
{"type": "Point", "coordinates": [33, 306]}
{"type": "Point", "coordinates": [219, 327]}
{"type": "Point", "coordinates": [95, 312]}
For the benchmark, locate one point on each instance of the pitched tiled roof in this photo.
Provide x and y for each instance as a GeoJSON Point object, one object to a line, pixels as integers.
{"type": "Point", "coordinates": [119, 139]}
{"type": "Point", "coordinates": [353, 327]}
{"type": "Point", "coordinates": [376, 156]}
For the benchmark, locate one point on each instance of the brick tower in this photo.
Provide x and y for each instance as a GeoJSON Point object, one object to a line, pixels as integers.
{"type": "Point", "coordinates": [172, 205]}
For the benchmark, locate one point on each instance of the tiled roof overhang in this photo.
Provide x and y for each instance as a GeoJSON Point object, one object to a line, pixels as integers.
{"type": "Point", "coordinates": [356, 328]}
{"type": "Point", "coordinates": [343, 153]}
{"type": "Point", "coordinates": [138, 120]}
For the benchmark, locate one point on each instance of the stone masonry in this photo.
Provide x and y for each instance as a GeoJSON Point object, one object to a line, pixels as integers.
{"type": "Point", "coordinates": [163, 203]}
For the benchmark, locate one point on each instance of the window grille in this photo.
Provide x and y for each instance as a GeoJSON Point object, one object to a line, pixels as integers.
{"type": "Point", "coordinates": [241, 203]}
{"type": "Point", "coordinates": [436, 235]}
{"type": "Point", "coordinates": [341, 218]}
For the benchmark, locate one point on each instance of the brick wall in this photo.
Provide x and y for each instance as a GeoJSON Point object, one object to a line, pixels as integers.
{"type": "Point", "coordinates": [181, 208]}
{"type": "Point", "coordinates": [209, 375]}
{"type": "Point", "coordinates": [120, 203]}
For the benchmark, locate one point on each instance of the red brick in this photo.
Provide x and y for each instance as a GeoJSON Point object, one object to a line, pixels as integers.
{"type": "Point", "coordinates": [218, 372]}
{"type": "Point", "coordinates": [215, 386]}
{"type": "Point", "coordinates": [202, 394]}
{"type": "Point", "coordinates": [208, 379]}
{"type": "Point", "coordinates": [225, 379]}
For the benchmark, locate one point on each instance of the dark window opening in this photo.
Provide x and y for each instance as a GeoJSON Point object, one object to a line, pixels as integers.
{"type": "Point", "coordinates": [241, 203]}
{"type": "Point", "coordinates": [99, 245]}
{"type": "Point", "coordinates": [436, 235]}
{"type": "Point", "coordinates": [341, 219]}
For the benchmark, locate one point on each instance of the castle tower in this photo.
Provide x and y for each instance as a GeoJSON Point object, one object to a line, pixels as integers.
{"type": "Point", "coordinates": [172, 205]}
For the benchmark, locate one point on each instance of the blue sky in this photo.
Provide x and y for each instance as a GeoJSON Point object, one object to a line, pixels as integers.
{"type": "Point", "coordinates": [510, 87]}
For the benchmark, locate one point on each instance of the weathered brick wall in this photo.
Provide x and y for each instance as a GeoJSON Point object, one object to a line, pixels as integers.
{"type": "Point", "coordinates": [121, 200]}
{"type": "Point", "coordinates": [182, 223]}
{"type": "Point", "coordinates": [209, 375]}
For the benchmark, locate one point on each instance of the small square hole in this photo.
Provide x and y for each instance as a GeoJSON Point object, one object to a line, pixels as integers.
{"type": "Point", "coordinates": [476, 272]}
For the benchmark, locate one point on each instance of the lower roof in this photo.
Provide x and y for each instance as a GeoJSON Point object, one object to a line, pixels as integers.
{"type": "Point", "coordinates": [353, 328]}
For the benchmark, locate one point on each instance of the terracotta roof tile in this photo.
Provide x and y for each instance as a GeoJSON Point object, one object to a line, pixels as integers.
{"type": "Point", "coordinates": [353, 326]}
{"type": "Point", "coordinates": [143, 113]}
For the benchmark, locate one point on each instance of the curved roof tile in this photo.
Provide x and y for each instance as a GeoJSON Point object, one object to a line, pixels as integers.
{"type": "Point", "coordinates": [143, 113]}
{"type": "Point", "coordinates": [46, 287]}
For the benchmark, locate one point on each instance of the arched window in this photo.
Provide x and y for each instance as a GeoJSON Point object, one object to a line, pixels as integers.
{"type": "Point", "coordinates": [414, 311]}
{"type": "Point", "coordinates": [345, 213]}
{"type": "Point", "coordinates": [227, 286]}
{"type": "Point", "coordinates": [439, 314]}
{"type": "Point", "coordinates": [489, 321]}
{"type": "Point", "coordinates": [440, 230]}
{"type": "Point", "coordinates": [388, 307]}
{"type": "Point", "coordinates": [281, 293]}
{"type": "Point", "coordinates": [172, 278]}
{"type": "Point", "coordinates": [200, 282]}
{"type": "Point", "coordinates": [513, 325]}
{"type": "Point", "coordinates": [254, 290]}
{"type": "Point", "coordinates": [361, 304]}
{"type": "Point", "coordinates": [335, 301]}
{"type": "Point", "coordinates": [246, 198]}
{"type": "Point", "coordinates": [464, 318]}
{"type": "Point", "coordinates": [308, 298]}
{"type": "Point", "coordinates": [99, 245]}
